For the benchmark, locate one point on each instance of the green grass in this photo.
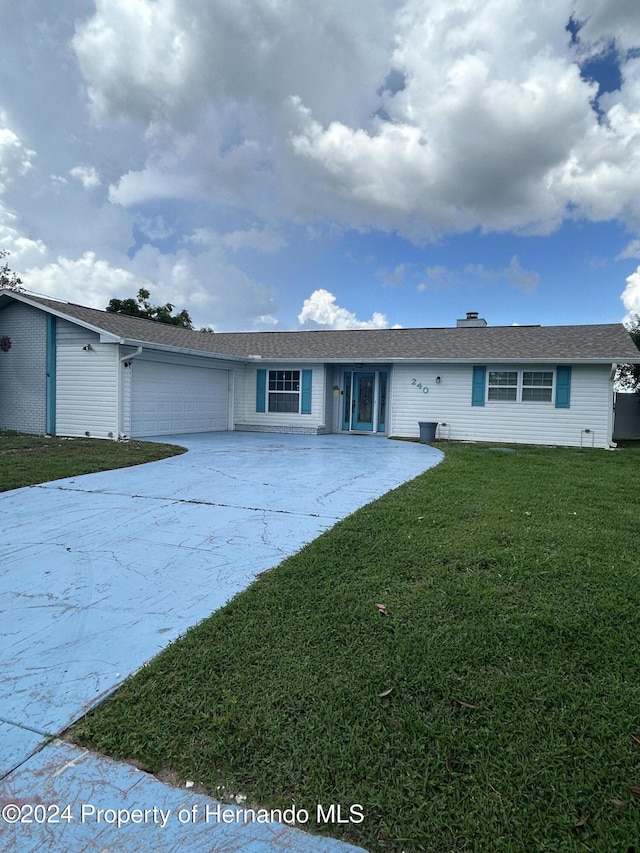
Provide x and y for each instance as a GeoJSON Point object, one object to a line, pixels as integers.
{"type": "Point", "coordinates": [511, 647]}
{"type": "Point", "coordinates": [26, 460]}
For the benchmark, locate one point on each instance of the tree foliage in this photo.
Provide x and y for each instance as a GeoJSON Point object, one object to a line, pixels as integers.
{"type": "Point", "coordinates": [628, 376]}
{"type": "Point", "coordinates": [141, 307]}
{"type": "Point", "coordinates": [8, 279]}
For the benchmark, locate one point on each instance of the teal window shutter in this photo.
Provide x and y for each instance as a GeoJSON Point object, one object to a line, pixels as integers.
{"type": "Point", "coordinates": [478, 387]}
{"type": "Point", "coordinates": [261, 388]}
{"type": "Point", "coordinates": [563, 387]}
{"type": "Point", "coordinates": [305, 407]}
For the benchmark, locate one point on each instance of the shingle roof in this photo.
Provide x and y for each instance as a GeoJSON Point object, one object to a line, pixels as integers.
{"type": "Point", "coordinates": [610, 342]}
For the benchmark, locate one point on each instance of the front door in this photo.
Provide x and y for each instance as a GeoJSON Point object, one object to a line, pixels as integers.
{"type": "Point", "coordinates": [362, 403]}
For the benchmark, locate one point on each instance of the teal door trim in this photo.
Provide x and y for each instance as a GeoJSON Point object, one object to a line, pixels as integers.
{"type": "Point", "coordinates": [346, 401]}
{"type": "Point", "coordinates": [362, 405]}
{"type": "Point", "coordinates": [50, 385]}
{"type": "Point", "coordinates": [364, 400]}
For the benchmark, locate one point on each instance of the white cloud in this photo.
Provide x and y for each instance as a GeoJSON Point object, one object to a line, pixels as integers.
{"type": "Point", "coordinates": [632, 250]}
{"type": "Point", "coordinates": [486, 123]}
{"type": "Point", "coordinates": [320, 309]}
{"type": "Point", "coordinates": [394, 277]}
{"type": "Point", "coordinates": [86, 280]}
{"type": "Point", "coordinates": [87, 175]}
{"type": "Point", "coordinates": [15, 158]}
{"type": "Point", "coordinates": [216, 128]}
{"type": "Point", "coordinates": [514, 274]}
{"type": "Point", "coordinates": [216, 292]}
{"type": "Point", "coordinates": [438, 277]}
{"type": "Point", "coordinates": [23, 251]}
{"type": "Point", "coordinates": [631, 295]}
{"type": "Point", "coordinates": [604, 21]}
{"type": "Point", "coordinates": [258, 239]}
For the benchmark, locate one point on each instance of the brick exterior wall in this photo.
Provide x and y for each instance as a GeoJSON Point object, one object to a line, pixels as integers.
{"type": "Point", "coordinates": [23, 369]}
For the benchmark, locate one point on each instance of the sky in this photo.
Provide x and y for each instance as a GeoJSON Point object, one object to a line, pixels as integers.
{"type": "Point", "coordinates": [280, 165]}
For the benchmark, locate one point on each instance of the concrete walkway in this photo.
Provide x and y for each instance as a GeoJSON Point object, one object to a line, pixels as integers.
{"type": "Point", "coordinates": [98, 573]}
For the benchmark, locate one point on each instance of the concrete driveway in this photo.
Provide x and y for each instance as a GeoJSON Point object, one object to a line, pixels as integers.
{"type": "Point", "coordinates": [100, 572]}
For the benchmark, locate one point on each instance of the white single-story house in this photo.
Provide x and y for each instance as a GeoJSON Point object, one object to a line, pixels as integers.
{"type": "Point", "coordinates": [74, 371]}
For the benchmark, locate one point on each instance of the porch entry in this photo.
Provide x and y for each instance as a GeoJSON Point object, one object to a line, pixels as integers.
{"type": "Point", "coordinates": [365, 401]}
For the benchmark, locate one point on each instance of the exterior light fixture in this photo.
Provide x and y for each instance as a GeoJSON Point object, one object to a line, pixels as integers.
{"type": "Point", "coordinates": [438, 380]}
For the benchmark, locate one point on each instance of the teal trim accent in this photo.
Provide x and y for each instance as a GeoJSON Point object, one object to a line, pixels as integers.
{"type": "Point", "coordinates": [563, 387]}
{"type": "Point", "coordinates": [50, 385]}
{"type": "Point", "coordinates": [261, 390]}
{"type": "Point", "coordinates": [382, 400]}
{"type": "Point", "coordinates": [305, 402]}
{"type": "Point", "coordinates": [478, 387]}
{"type": "Point", "coordinates": [362, 404]}
{"type": "Point", "coordinates": [346, 401]}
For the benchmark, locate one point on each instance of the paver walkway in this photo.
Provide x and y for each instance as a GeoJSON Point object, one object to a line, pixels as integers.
{"type": "Point", "coordinates": [100, 572]}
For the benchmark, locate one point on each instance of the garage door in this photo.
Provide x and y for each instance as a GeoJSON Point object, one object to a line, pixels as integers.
{"type": "Point", "coordinates": [172, 398]}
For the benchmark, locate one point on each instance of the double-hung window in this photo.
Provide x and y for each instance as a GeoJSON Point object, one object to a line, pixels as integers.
{"type": "Point", "coordinates": [284, 391]}
{"type": "Point", "coordinates": [503, 385]}
{"type": "Point", "coordinates": [537, 385]}
{"type": "Point", "coordinates": [520, 386]}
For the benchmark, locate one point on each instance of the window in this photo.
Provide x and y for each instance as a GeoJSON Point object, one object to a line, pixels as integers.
{"type": "Point", "coordinates": [524, 386]}
{"type": "Point", "coordinates": [537, 385]}
{"type": "Point", "coordinates": [284, 391]}
{"type": "Point", "coordinates": [503, 385]}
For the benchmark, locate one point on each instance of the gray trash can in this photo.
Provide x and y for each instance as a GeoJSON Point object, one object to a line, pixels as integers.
{"type": "Point", "coordinates": [427, 431]}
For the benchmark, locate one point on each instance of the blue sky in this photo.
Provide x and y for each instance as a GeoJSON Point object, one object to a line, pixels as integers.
{"type": "Point", "coordinates": [270, 165]}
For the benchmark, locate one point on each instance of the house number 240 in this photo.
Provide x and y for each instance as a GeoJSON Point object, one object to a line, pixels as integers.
{"type": "Point", "coordinates": [420, 386]}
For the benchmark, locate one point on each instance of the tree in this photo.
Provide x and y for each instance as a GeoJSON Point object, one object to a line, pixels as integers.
{"type": "Point", "coordinates": [8, 279]}
{"type": "Point", "coordinates": [140, 307]}
{"type": "Point", "coordinates": [628, 376]}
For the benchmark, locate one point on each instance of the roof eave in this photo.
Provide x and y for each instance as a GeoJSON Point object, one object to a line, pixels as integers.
{"type": "Point", "coordinates": [132, 342]}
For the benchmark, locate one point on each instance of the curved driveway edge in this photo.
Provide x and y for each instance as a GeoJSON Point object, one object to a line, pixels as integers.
{"type": "Point", "coordinates": [102, 571]}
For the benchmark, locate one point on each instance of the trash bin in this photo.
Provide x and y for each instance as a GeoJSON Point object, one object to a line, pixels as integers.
{"type": "Point", "coordinates": [427, 431]}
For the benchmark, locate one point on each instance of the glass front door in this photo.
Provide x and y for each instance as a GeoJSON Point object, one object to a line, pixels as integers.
{"type": "Point", "coordinates": [365, 401]}
{"type": "Point", "coordinates": [362, 403]}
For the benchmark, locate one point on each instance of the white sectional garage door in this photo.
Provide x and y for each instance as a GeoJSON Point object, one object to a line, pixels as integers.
{"type": "Point", "coordinates": [173, 398]}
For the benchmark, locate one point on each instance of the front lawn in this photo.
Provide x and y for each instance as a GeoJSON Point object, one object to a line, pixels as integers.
{"type": "Point", "coordinates": [461, 658]}
{"type": "Point", "coordinates": [26, 460]}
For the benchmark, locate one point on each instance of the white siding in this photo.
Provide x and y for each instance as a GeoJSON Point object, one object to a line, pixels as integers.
{"type": "Point", "coordinates": [245, 413]}
{"type": "Point", "coordinates": [87, 384]}
{"type": "Point", "coordinates": [586, 422]}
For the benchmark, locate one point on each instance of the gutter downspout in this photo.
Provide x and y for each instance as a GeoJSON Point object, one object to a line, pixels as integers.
{"type": "Point", "coordinates": [130, 355]}
{"type": "Point", "coordinates": [125, 361]}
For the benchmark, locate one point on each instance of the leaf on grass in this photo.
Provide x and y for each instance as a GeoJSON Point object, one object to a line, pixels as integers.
{"type": "Point", "coordinates": [449, 763]}
{"type": "Point", "coordinates": [382, 609]}
{"type": "Point", "coordinates": [635, 789]}
{"type": "Point", "coordinates": [464, 704]}
{"type": "Point", "coordinates": [385, 693]}
{"type": "Point", "coordinates": [619, 804]}
{"type": "Point", "coordinates": [636, 739]}
{"type": "Point", "coordinates": [396, 725]}
{"type": "Point", "coordinates": [580, 824]}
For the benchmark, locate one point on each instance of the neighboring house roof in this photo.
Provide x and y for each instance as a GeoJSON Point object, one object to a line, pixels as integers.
{"type": "Point", "coordinates": [589, 343]}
